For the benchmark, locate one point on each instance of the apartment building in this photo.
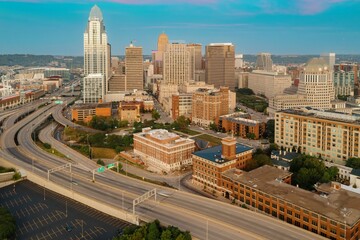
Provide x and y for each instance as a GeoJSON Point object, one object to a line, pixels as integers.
{"type": "Point", "coordinates": [329, 135]}
{"type": "Point", "coordinates": [207, 105]}
{"type": "Point", "coordinates": [163, 150]}
{"type": "Point", "coordinates": [331, 213]}
{"type": "Point", "coordinates": [181, 105]}
{"type": "Point", "coordinates": [209, 164]}
{"type": "Point", "coordinates": [241, 124]}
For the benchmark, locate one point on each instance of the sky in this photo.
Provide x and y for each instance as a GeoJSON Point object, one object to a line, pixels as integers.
{"type": "Point", "coordinates": [56, 27]}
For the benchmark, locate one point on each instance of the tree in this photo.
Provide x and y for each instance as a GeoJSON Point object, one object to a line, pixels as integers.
{"type": "Point", "coordinates": [166, 235]}
{"type": "Point", "coordinates": [153, 231]}
{"type": "Point", "coordinates": [250, 136]}
{"type": "Point", "coordinates": [353, 163]}
{"type": "Point", "coordinates": [100, 162]}
{"type": "Point", "coordinates": [47, 145]}
{"type": "Point", "coordinates": [259, 159]}
{"type": "Point", "coordinates": [155, 115]}
{"type": "Point", "coordinates": [270, 130]}
{"type": "Point", "coordinates": [213, 127]}
{"type": "Point", "coordinates": [7, 224]}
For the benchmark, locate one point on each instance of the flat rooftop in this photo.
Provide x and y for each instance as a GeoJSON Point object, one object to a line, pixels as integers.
{"type": "Point", "coordinates": [213, 154]}
{"type": "Point", "coordinates": [331, 116]}
{"type": "Point", "coordinates": [340, 205]}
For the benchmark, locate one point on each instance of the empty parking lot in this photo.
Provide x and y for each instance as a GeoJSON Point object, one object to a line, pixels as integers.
{"type": "Point", "coordinates": [42, 214]}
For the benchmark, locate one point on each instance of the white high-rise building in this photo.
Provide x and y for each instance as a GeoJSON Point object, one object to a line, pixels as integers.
{"type": "Point", "coordinates": [96, 51]}
{"type": "Point", "coordinates": [93, 88]}
{"type": "Point", "coordinates": [178, 63]}
{"type": "Point", "coordinates": [330, 59]}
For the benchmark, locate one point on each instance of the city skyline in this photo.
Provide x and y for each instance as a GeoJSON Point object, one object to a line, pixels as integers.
{"type": "Point", "coordinates": [278, 27]}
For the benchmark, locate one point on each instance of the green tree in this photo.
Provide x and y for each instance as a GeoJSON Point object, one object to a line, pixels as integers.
{"type": "Point", "coordinates": [213, 127]}
{"type": "Point", "coordinates": [353, 163]}
{"type": "Point", "coordinates": [155, 115]}
{"type": "Point", "coordinates": [153, 231]}
{"type": "Point", "coordinates": [7, 224]}
{"type": "Point", "coordinates": [16, 176]}
{"type": "Point", "coordinates": [250, 136]}
{"type": "Point", "coordinates": [100, 162]}
{"type": "Point", "coordinates": [270, 130]}
{"type": "Point", "coordinates": [47, 145]}
{"type": "Point", "coordinates": [166, 235]}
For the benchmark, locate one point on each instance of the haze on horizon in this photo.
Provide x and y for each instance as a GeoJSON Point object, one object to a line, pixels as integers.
{"type": "Point", "coordinates": [56, 27]}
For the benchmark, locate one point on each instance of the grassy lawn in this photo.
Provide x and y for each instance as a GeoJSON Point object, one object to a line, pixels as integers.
{"type": "Point", "coordinates": [106, 153]}
{"type": "Point", "coordinates": [51, 150]}
{"type": "Point", "coordinates": [214, 141]}
{"type": "Point", "coordinates": [74, 134]}
{"type": "Point", "coordinates": [252, 101]}
{"type": "Point", "coordinates": [189, 132]}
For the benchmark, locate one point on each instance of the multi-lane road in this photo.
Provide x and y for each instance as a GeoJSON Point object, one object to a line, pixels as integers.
{"type": "Point", "coordinates": [204, 218]}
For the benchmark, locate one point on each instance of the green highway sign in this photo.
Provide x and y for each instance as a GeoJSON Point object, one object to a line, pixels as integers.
{"type": "Point", "coordinates": [111, 165]}
{"type": "Point", "coordinates": [58, 102]}
{"type": "Point", "coordinates": [101, 169]}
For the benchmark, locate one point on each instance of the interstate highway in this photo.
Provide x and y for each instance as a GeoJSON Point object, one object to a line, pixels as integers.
{"type": "Point", "coordinates": [187, 211]}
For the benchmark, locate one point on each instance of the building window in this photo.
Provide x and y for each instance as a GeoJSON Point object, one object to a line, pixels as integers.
{"type": "Point", "coordinates": [323, 226]}
{"type": "Point", "coordinates": [306, 219]}
{"type": "Point", "coordinates": [281, 209]}
{"type": "Point", "coordinates": [289, 212]}
{"type": "Point", "coordinates": [297, 215]}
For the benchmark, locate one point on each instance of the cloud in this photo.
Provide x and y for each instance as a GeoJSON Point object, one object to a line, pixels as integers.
{"type": "Point", "coordinates": [309, 7]}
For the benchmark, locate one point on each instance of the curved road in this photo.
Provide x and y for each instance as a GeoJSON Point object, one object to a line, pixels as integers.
{"type": "Point", "coordinates": [202, 216]}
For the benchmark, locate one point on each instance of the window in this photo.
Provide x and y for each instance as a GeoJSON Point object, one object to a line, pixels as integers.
{"type": "Point", "coordinates": [297, 215]}
{"type": "Point", "coordinates": [267, 203]}
{"type": "Point", "coordinates": [305, 219]}
{"type": "Point", "coordinates": [274, 205]}
{"type": "Point", "coordinates": [314, 222]}
{"type": "Point", "coordinates": [281, 209]}
{"type": "Point", "coordinates": [289, 212]}
{"type": "Point", "coordinates": [323, 226]}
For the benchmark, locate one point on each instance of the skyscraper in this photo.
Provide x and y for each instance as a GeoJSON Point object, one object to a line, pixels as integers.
{"type": "Point", "coordinates": [220, 65]}
{"type": "Point", "coordinates": [134, 68]}
{"type": "Point", "coordinates": [198, 55]}
{"type": "Point", "coordinates": [330, 59]}
{"type": "Point", "coordinates": [95, 51]}
{"type": "Point", "coordinates": [157, 56]}
{"type": "Point", "coordinates": [264, 62]}
{"type": "Point", "coordinates": [178, 63]}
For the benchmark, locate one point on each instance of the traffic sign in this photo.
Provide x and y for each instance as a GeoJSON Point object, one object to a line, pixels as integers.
{"type": "Point", "coordinates": [101, 169]}
{"type": "Point", "coordinates": [111, 165]}
{"type": "Point", "coordinates": [59, 102]}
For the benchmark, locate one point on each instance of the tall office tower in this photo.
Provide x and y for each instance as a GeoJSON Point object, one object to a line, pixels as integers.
{"type": "Point", "coordinates": [177, 64]}
{"type": "Point", "coordinates": [316, 84]}
{"type": "Point", "coordinates": [109, 62]}
{"type": "Point", "coordinates": [330, 59]}
{"type": "Point", "coordinates": [134, 68]}
{"type": "Point", "coordinates": [264, 62]}
{"type": "Point", "coordinates": [220, 65]}
{"type": "Point", "coordinates": [157, 56]}
{"type": "Point", "coordinates": [95, 49]}
{"type": "Point", "coordinates": [198, 55]}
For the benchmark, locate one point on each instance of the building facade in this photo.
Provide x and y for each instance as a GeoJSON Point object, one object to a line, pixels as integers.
{"type": "Point", "coordinates": [209, 164]}
{"type": "Point", "coordinates": [93, 91]}
{"type": "Point", "coordinates": [207, 105]}
{"type": "Point", "coordinates": [331, 136]}
{"type": "Point", "coordinates": [220, 65]}
{"type": "Point", "coordinates": [134, 68]}
{"type": "Point", "coordinates": [241, 124]}
{"type": "Point", "coordinates": [178, 64]}
{"type": "Point", "coordinates": [264, 62]}
{"type": "Point", "coordinates": [163, 150]}
{"type": "Point", "coordinates": [267, 83]}
{"type": "Point", "coordinates": [96, 51]}
{"type": "Point", "coordinates": [332, 214]}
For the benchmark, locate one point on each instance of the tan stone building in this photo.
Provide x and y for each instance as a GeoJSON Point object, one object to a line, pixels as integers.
{"type": "Point", "coordinates": [209, 164]}
{"type": "Point", "coordinates": [220, 65]}
{"type": "Point", "coordinates": [134, 68]}
{"type": "Point", "coordinates": [331, 136]}
{"type": "Point", "coordinates": [178, 64]}
{"type": "Point", "coordinates": [207, 105]}
{"type": "Point", "coordinates": [163, 150]}
{"type": "Point", "coordinates": [268, 84]}
{"type": "Point", "coordinates": [129, 113]}
{"type": "Point", "coordinates": [85, 112]}
{"type": "Point", "coordinates": [198, 55]}
{"type": "Point", "coordinates": [316, 89]}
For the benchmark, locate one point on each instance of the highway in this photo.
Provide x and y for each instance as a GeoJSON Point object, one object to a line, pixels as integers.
{"type": "Point", "coordinates": [201, 216]}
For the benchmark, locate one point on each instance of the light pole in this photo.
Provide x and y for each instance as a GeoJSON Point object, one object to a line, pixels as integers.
{"type": "Point", "coordinates": [66, 208]}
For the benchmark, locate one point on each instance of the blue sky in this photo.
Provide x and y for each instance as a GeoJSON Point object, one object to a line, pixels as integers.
{"type": "Point", "coordinates": [277, 26]}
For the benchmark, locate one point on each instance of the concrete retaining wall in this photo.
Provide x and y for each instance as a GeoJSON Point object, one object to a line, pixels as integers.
{"type": "Point", "coordinates": [6, 176]}
{"type": "Point", "coordinates": [115, 212]}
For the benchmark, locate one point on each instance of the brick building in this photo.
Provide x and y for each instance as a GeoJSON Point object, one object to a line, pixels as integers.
{"type": "Point", "coordinates": [207, 105]}
{"type": "Point", "coordinates": [162, 149]}
{"type": "Point", "coordinates": [85, 112]}
{"type": "Point", "coordinates": [241, 125]}
{"type": "Point", "coordinates": [333, 213]}
{"type": "Point", "coordinates": [210, 163]}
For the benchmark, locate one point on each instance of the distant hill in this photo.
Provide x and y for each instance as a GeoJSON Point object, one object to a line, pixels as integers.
{"type": "Point", "coordinates": [28, 60]}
